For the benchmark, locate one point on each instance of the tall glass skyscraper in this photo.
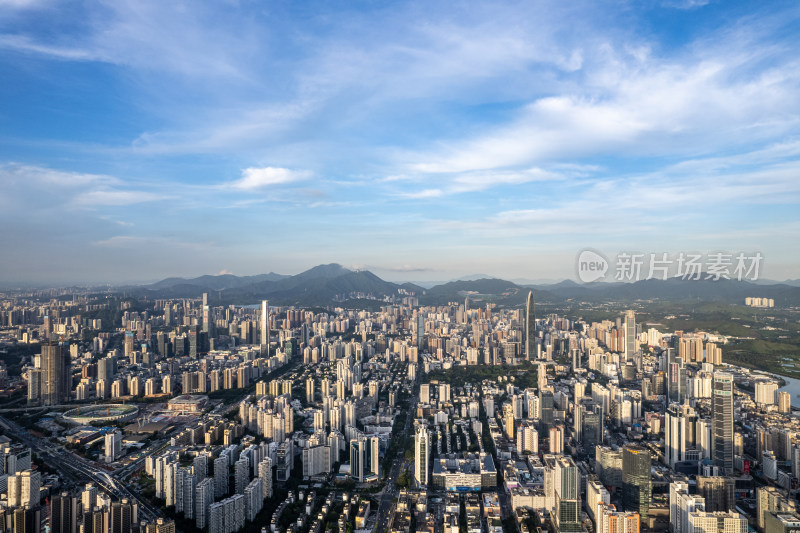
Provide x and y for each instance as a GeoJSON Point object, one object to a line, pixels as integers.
{"type": "Point", "coordinates": [54, 373]}
{"type": "Point", "coordinates": [422, 447]}
{"type": "Point", "coordinates": [568, 496]}
{"type": "Point", "coordinates": [264, 327]}
{"type": "Point", "coordinates": [630, 335]}
{"type": "Point", "coordinates": [636, 482]}
{"type": "Point", "coordinates": [722, 421]}
{"type": "Point", "coordinates": [530, 328]}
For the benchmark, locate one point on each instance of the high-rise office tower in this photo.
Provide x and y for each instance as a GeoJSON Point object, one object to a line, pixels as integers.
{"type": "Point", "coordinates": [120, 517]}
{"type": "Point", "coordinates": [27, 520]}
{"type": "Point", "coordinates": [636, 482]}
{"type": "Point", "coordinates": [422, 446]}
{"type": "Point", "coordinates": [718, 492]}
{"type": "Point", "coordinates": [589, 425]}
{"type": "Point", "coordinates": [546, 408]}
{"type": "Point", "coordinates": [722, 421]}
{"type": "Point", "coordinates": [64, 511]}
{"type": "Point", "coordinates": [364, 458]}
{"type": "Point", "coordinates": [674, 435]}
{"type": "Point", "coordinates": [420, 330]}
{"type": "Point", "coordinates": [24, 489]}
{"type": "Point", "coordinates": [94, 520]}
{"type": "Point", "coordinates": [676, 379]}
{"type": "Point", "coordinates": [209, 324]}
{"type": "Point", "coordinates": [112, 445]}
{"type": "Point", "coordinates": [630, 335]}
{"type": "Point", "coordinates": [530, 328]}
{"type": "Point", "coordinates": [56, 378]}
{"type": "Point", "coordinates": [567, 496]}
{"type": "Point", "coordinates": [264, 326]}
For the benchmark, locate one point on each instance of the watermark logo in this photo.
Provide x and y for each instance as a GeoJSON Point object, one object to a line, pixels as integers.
{"type": "Point", "coordinates": [633, 266]}
{"type": "Point", "coordinates": [591, 266]}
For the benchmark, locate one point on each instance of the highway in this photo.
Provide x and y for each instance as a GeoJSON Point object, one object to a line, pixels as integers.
{"type": "Point", "coordinates": [76, 469]}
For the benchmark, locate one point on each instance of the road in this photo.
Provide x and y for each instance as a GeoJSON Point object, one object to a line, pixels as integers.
{"type": "Point", "coordinates": [390, 488]}
{"type": "Point", "coordinates": [76, 469]}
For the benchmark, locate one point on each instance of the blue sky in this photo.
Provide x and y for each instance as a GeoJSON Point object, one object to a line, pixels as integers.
{"type": "Point", "coordinates": [423, 140]}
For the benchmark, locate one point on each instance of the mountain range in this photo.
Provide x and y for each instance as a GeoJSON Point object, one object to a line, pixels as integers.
{"type": "Point", "coordinates": [334, 284]}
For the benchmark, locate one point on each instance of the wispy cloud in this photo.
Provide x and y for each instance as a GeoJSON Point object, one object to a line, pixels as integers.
{"type": "Point", "coordinates": [103, 198]}
{"type": "Point", "coordinates": [136, 242]}
{"type": "Point", "coordinates": [425, 193]}
{"type": "Point", "coordinates": [259, 178]}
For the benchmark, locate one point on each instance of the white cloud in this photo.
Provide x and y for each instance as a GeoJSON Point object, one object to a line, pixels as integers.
{"type": "Point", "coordinates": [101, 198]}
{"type": "Point", "coordinates": [670, 200]}
{"type": "Point", "coordinates": [466, 182]}
{"type": "Point", "coordinates": [139, 243]}
{"type": "Point", "coordinates": [17, 174]}
{"type": "Point", "coordinates": [631, 103]}
{"type": "Point", "coordinates": [30, 187]}
{"type": "Point", "coordinates": [425, 193]}
{"type": "Point", "coordinates": [259, 178]}
{"type": "Point", "coordinates": [25, 44]}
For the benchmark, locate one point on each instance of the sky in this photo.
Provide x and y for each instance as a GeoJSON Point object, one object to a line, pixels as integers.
{"type": "Point", "coordinates": [421, 140]}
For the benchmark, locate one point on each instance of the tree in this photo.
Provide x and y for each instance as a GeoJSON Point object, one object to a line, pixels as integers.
{"type": "Point", "coordinates": [402, 480]}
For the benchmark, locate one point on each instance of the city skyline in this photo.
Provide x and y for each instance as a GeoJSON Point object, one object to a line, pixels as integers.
{"type": "Point", "coordinates": [409, 139]}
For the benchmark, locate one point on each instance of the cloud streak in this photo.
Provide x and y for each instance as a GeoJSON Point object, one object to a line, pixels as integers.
{"type": "Point", "coordinates": [260, 178]}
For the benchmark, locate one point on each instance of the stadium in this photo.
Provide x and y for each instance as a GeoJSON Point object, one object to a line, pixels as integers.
{"type": "Point", "coordinates": [110, 412]}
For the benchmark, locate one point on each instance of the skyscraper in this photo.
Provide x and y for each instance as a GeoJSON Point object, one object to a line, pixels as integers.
{"type": "Point", "coordinates": [27, 520]}
{"type": "Point", "coordinates": [265, 474]}
{"type": "Point", "coordinates": [546, 408]}
{"type": "Point", "coordinates": [718, 492]}
{"type": "Point", "coordinates": [64, 513]}
{"type": "Point", "coordinates": [113, 445]}
{"type": "Point", "coordinates": [676, 380]}
{"type": "Point", "coordinates": [264, 326]}
{"type": "Point", "coordinates": [674, 435]}
{"type": "Point", "coordinates": [209, 324]}
{"type": "Point", "coordinates": [241, 471]}
{"type": "Point", "coordinates": [722, 421]}
{"type": "Point", "coordinates": [530, 328]}
{"type": "Point", "coordinates": [636, 482]}
{"type": "Point", "coordinates": [203, 498]}
{"type": "Point", "coordinates": [55, 376]}
{"type": "Point", "coordinates": [567, 496]}
{"type": "Point", "coordinates": [120, 517]}
{"type": "Point", "coordinates": [364, 458]}
{"type": "Point", "coordinates": [589, 425]}
{"type": "Point", "coordinates": [630, 335]}
{"type": "Point", "coordinates": [221, 473]}
{"type": "Point", "coordinates": [420, 330]}
{"type": "Point", "coordinates": [422, 445]}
